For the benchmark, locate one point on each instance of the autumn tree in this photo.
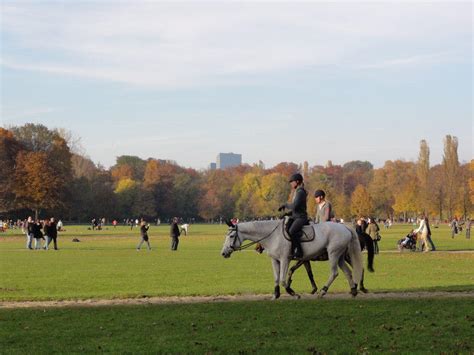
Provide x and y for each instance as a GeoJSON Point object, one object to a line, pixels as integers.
{"type": "Point", "coordinates": [82, 167]}
{"type": "Point", "coordinates": [136, 164]}
{"type": "Point", "coordinates": [381, 194]}
{"type": "Point", "coordinates": [436, 196]}
{"type": "Point", "coordinates": [464, 203]}
{"type": "Point", "coordinates": [50, 159]}
{"type": "Point", "coordinates": [9, 148]}
{"type": "Point", "coordinates": [361, 202]}
{"type": "Point", "coordinates": [274, 190]}
{"type": "Point", "coordinates": [216, 198]}
{"type": "Point", "coordinates": [126, 191]}
{"type": "Point", "coordinates": [285, 169]}
{"type": "Point", "coordinates": [36, 183]}
{"type": "Point", "coordinates": [247, 192]}
{"type": "Point", "coordinates": [186, 193]}
{"type": "Point", "coordinates": [451, 173]}
{"type": "Point", "coordinates": [356, 173]}
{"type": "Point", "coordinates": [405, 202]}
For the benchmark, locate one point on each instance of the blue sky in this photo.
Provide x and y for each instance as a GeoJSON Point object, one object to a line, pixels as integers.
{"type": "Point", "coordinates": [307, 81]}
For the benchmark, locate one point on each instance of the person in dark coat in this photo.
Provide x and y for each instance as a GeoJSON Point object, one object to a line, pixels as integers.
{"type": "Point", "coordinates": [37, 233]}
{"type": "Point", "coordinates": [51, 231]}
{"type": "Point", "coordinates": [174, 234]}
{"type": "Point", "coordinates": [144, 234]}
{"type": "Point", "coordinates": [299, 214]}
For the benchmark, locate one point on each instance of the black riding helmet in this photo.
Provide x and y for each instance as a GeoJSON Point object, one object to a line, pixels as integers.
{"type": "Point", "coordinates": [296, 177]}
{"type": "Point", "coordinates": [319, 193]}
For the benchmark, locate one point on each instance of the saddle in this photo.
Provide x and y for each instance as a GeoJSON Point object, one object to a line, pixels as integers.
{"type": "Point", "coordinates": [308, 231]}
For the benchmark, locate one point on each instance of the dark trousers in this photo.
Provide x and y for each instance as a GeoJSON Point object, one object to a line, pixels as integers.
{"type": "Point", "coordinates": [174, 243]}
{"type": "Point", "coordinates": [54, 239]}
{"type": "Point", "coordinates": [296, 230]}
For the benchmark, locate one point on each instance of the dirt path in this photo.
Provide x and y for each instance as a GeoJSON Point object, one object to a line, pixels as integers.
{"type": "Point", "coordinates": [228, 298]}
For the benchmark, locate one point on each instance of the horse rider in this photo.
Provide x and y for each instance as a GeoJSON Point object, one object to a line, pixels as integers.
{"type": "Point", "coordinates": [324, 211]}
{"type": "Point", "coordinates": [298, 213]}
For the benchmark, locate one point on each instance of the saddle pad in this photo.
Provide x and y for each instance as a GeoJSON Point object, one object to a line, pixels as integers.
{"type": "Point", "coordinates": [307, 236]}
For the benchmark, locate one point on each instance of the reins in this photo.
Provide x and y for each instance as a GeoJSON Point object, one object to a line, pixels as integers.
{"type": "Point", "coordinates": [242, 247]}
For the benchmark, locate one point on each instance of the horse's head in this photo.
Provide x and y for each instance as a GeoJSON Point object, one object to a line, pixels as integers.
{"type": "Point", "coordinates": [232, 241]}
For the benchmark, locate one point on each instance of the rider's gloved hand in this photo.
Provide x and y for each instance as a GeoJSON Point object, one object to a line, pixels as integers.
{"type": "Point", "coordinates": [281, 208]}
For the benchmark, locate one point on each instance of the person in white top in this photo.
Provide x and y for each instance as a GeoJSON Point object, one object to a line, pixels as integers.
{"type": "Point", "coordinates": [425, 234]}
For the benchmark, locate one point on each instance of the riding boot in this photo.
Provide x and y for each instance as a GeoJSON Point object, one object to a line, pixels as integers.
{"type": "Point", "coordinates": [298, 252]}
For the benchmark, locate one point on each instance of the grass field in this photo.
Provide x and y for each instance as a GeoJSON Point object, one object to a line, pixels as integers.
{"type": "Point", "coordinates": [105, 265]}
{"type": "Point", "coordinates": [292, 327]}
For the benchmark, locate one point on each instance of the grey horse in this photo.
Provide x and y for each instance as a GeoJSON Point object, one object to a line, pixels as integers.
{"type": "Point", "coordinates": [336, 238]}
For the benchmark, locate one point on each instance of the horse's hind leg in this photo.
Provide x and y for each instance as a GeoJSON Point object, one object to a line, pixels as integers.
{"type": "Point", "coordinates": [292, 270]}
{"type": "Point", "coordinates": [307, 265]}
{"type": "Point", "coordinates": [348, 273]}
{"type": "Point", "coordinates": [276, 275]}
{"type": "Point", "coordinates": [361, 286]}
{"type": "Point", "coordinates": [333, 260]}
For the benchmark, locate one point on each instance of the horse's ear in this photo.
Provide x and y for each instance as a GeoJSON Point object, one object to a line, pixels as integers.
{"type": "Point", "coordinates": [229, 223]}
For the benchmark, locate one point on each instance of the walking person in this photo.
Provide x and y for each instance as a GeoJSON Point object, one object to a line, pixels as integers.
{"type": "Point", "coordinates": [174, 234]}
{"type": "Point", "coordinates": [454, 227]}
{"type": "Point", "coordinates": [468, 228]}
{"type": "Point", "coordinates": [47, 233]}
{"type": "Point", "coordinates": [30, 230]}
{"type": "Point", "coordinates": [52, 234]}
{"type": "Point", "coordinates": [144, 234]}
{"type": "Point", "coordinates": [373, 230]}
{"type": "Point", "coordinates": [298, 213]}
{"type": "Point", "coordinates": [428, 236]}
{"type": "Point", "coordinates": [423, 231]}
{"type": "Point", "coordinates": [37, 234]}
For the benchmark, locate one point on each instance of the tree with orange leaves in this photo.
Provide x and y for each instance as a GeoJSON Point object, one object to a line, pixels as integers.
{"type": "Point", "coordinates": [9, 148]}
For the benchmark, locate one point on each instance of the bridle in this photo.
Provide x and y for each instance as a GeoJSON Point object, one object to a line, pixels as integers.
{"type": "Point", "coordinates": [235, 229]}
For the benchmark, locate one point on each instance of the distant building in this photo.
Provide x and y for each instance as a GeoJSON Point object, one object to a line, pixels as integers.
{"type": "Point", "coordinates": [227, 160]}
{"type": "Point", "coordinates": [212, 166]}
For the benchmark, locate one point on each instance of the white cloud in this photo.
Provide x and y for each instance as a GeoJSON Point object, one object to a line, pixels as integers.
{"type": "Point", "coordinates": [170, 45]}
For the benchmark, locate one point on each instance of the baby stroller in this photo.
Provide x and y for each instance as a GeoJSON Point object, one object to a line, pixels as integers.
{"type": "Point", "coordinates": [409, 242]}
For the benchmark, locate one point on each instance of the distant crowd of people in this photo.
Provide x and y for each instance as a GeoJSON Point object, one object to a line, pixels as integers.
{"type": "Point", "coordinates": [45, 230]}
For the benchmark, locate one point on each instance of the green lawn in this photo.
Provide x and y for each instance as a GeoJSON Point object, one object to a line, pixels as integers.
{"type": "Point", "coordinates": [283, 327]}
{"type": "Point", "coordinates": [105, 264]}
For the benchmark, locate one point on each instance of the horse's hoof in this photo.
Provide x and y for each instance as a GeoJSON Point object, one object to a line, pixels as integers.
{"type": "Point", "coordinates": [321, 294]}
{"type": "Point", "coordinates": [354, 293]}
{"type": "Point", "coordinates": [274, 298]}
{"type": "Point", "coordinates": [364, 290]}
{"type": "Point", "coordinates": [290, 291]}
{"type": "Point", "coordinates": [314, 291]}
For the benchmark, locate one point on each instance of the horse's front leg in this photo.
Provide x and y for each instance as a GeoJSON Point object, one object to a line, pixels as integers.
{"type": "Point", "coordinates": [284, 265]}
{"type": "Point", "coordinates": [292, 270]}
{"type": "Point", "coordinates": [333, 261]}
{"type": "Point", "coordinates": [276, 276]}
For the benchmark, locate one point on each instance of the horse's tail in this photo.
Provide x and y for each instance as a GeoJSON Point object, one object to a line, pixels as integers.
{"type": "Point", "coordinates": [355, 254]}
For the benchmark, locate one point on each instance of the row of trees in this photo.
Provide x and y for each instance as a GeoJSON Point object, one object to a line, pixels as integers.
{"type": "Point", "coordinates": [43, 171]}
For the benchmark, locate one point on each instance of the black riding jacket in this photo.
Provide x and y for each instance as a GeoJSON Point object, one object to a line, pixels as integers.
{"type": "Point", "coordinates": [298, 206]}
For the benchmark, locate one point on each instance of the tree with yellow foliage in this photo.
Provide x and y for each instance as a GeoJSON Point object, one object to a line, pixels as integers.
{"type": "Point", "coordinates": [361, 202]}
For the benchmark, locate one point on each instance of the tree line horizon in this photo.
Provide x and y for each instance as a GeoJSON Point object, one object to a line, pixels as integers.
{"type": "Point", "coordinates": [44, 173]}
